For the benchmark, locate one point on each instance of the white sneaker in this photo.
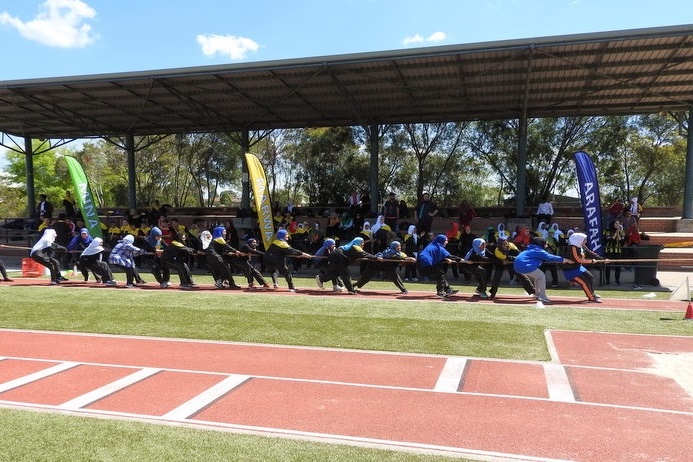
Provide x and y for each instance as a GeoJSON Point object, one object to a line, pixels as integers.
{"type": "Point", "coordinates": [337, 288]}
{"type": "Point", "coordinates": [318, 282]}
{"type": "Point", "coordinates": [539, 305]}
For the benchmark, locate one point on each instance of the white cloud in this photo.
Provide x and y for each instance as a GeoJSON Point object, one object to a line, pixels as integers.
{"type": "Point", "coordinates": [227, 45]}
{"type": "Point", "coordinates": [59, 23]}
{"type": "Point", "coordinates": [434, 37]}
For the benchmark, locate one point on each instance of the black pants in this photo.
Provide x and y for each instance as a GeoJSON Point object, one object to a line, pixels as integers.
{"type": "Point", "coordinates": [49, 262]}
{"type": "Point", "coordinates": [389, 269]}
{"type": "Point", "coordinates": [436, 273]}
{"type": "Point", "coordinates": [98, 267]}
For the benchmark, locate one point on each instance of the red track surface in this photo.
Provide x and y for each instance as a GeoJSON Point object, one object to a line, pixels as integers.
{"type": "Point", "coordinates": [596, 401]}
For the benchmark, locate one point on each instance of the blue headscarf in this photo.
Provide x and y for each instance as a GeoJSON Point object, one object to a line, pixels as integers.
{"type": "Point", "coordinates": [153, 234]}
{"type": "Point", "coordinates": [435, 252]}
{"type": "Point", "coordinates": [281, 234]}
{"type": "Point", "coordinates": [218, 232]}
{"type": "Point", "coordinates": [325, 245]}
{"type": "Point", "coordinates": [476, 248]}
{"type": "Point", "coordinates": [357, 241]}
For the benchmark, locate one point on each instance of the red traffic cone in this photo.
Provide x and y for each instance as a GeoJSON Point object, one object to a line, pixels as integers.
{"type": "Point", "coordinates": [689, 312]}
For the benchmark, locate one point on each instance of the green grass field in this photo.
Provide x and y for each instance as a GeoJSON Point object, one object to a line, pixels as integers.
{"type": "Point", "coordinates": [464, 329]}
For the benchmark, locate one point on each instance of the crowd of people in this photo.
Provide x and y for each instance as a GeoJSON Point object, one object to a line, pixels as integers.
{"type": "Point", "coordinates": [397, 246]}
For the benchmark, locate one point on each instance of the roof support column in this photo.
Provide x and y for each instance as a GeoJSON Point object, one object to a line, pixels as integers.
{"type": "Point", "coordinates": [29, 165]}
{"type": "Point", "coordinates": [245, 182]}
{"type": "Point", "coordinates": [521, 186]}
{"type": "Point", "coordinates": [375, 151]}
{"type": "Point", "coordinates": [688, 179]}
{"type": "Point", "coordinates": [130, 152]}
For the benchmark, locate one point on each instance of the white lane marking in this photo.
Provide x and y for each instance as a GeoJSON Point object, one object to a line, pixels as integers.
{"type": "Point", "coordinates": [558, 384]}
{"type": "Point", "coordinates": [109, 389]}
{"type": "Point", "coordinates": [205, 398]}
{"type": "Point", "coordinates": [451, 375]}
{"type": "Point", "coordinates": [42, 374]}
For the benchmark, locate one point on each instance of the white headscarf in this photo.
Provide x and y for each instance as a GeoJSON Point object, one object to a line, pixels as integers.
{"type": "Point", "coordinates": [541, 231]}
{"type": "Point", "coordinates": [412, 232]}
{"type": "Point", "coordinates": [206, 238]}
{"type": "Point", "coordinates": [47, 240]}
{"type": "Point", "coordinates": [634, 205]}
{"type": "Point", "coordinates": [378, 224]}
{"type": "Point", "coordinates": [577, 239]}
{"type": "Point", "coordinates": [95, 247]}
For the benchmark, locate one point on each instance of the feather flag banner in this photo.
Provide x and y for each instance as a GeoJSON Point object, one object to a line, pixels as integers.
{"type": "Point", "coordinates": [261, 195]}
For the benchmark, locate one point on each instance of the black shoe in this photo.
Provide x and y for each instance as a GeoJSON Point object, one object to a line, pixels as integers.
{"type": "Point", "coordinates": [61, 278]}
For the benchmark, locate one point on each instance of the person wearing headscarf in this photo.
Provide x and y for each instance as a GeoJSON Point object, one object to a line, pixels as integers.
{"type": "Point", "coordinates": [367, 234]}
{"type": "Point", "coordinates": [42, 251]}
{"type": "Point", "coordinates": [340, 260]}
{"type": "Point", "coordinates": [91, 259]}
{"type": "Point", "coordinates": [214, 246]}
{"type": "Point", "coordinates": [249, 249]}
{"type": "Point", "coordinates": [381, 233]}
{"type": "Point", "coordinates": [123, 256]}
{"type": "Point", "coordinates": [542, 230]}
{"type": "Point", "coordinates": [577, 273]}
{"type": "Point", "coordinates": [527, 266]}
{"type": "Point", "coordinates": [432, 260]}
{"type": "Point", "coordinates": [154, 245]}
{"type": "Point", "coordinates": [615, 238]}
{"type": "Point", "coordinates": [176, 256]}
{"type": "Point", "coordinates": [476, 258]}
{"type": "Point", "coordinates": [321, 260]}
{"type": "Point", "coordinates": [502, 257]}
{"type": "Point", "coordinates": [392, 258]}
{"type": "Point", "coordinates": [275, 259]}
{"type": "Point", "coordinates": [412, 247]}
{"type": "Point", "coordinates": [76, 245]}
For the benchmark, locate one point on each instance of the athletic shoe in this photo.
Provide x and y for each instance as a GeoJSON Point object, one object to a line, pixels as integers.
{"type": "Point", "coordinates": [452, 292]}
{"type": "Point", "coordinates": [404, 291]}
{"type": "Point", "coordinates": [111, 283]}
{"type": "Point", "coordinates": [62, 278]}
{"type": "Point", "coordinates": [219, 285]}
{"type": "Point", "coordinates": [318, 282]}
{"type": "Point", "coordinates": [539, 305]}
{"type": "Point", "coordinates": [8, 280]}
{"type": "Point", "coordinates": [545, 301]}
{"type": "Point", "coordinates": [637, 287]}
{"type": "Point", "coordinates": [293, 290]}
{"type": "Point", "coordinates": [164, 285]}
{"type": "Point", "coordinates": [441, 295]}
{"type": "Point", "coordinates": [596, 300]}
{"type": "Point", "coordinates": [276, 286]}
{"type": "Point", "coordinates": [352, 292]}
{"type": "Point", "coordinates": [233, 287]}
{"type": "Point", "coordinates": [337, 288]}
{"type": "Point", "coordinates": [482, 295]}
{"type": "Point", "coordinates": [129, 286]}
{"type": "Point", "coordinates": [55, 283]}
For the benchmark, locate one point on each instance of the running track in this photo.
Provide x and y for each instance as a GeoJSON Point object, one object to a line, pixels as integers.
{"type": "Point", "coordinates": [596, 400]}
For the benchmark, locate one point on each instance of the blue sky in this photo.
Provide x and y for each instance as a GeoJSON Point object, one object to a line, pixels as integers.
{"type": "Point", "coordinates": [48, 38]}
{"type": "Point", "coordinates": [51, 38]}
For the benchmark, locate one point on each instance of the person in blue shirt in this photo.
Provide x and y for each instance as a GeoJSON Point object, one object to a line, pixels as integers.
{"type": "Point", "coordinates": [432, 260]}
{"type": "Point", "coordinates": [527, 263]}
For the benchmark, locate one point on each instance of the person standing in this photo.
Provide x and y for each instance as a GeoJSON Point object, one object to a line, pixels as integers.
{"type": "Point", "coordinates": [391, 211]}
{"type": "Point", "coordinates": [615, 238]}
{"type": "Point", "coordinates": [45, 208]}
{"type": "Point", "coordinates": [393, 257]}
{"type": "Point", "coordinates": [466, 214]}
{"type": "Point", "coordinates": [527, 266]}
{"type": "Point", "coordinates": [3, 269]}
{"type": "Point", "coordinates": [545, 210]}
{"type": "Point", "coordinates": [425, 211]}
{"type": "Point", "coordinates": [339, 262]}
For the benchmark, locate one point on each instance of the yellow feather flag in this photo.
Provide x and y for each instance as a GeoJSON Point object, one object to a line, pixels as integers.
{"type": "Point", "coordinates": [258, 180]}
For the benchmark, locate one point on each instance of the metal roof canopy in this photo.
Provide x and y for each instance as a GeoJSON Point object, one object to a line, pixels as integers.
{"type": "Point", "coordinates": [620, 72]}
